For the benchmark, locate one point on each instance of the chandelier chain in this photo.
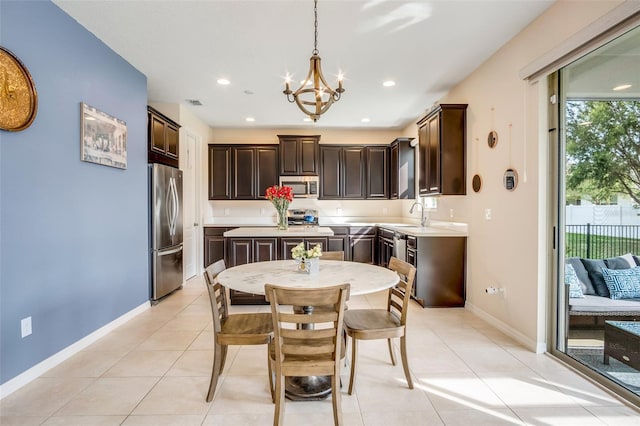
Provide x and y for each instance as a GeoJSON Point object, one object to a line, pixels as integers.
{"type": "Point", "coordinates": [315, 13]}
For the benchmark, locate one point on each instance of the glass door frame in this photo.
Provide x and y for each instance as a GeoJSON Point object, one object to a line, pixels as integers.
{"type": "Point", "coordinates": [558, 300]}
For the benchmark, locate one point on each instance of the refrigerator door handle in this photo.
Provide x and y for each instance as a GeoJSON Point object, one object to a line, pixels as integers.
{"type": "Point", "coordinates": [168, 252]}
{"type": "Point", "coordinates": [173, 204]}
{"type": "Point", "coordinates": [176, 210]}
{"type": "Point", "coordinates": [169, 207]}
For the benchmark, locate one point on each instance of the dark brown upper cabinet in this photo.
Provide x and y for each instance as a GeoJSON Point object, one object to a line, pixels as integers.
{"type": "Point", "coordinates": [219, 173]}
{"type": "Point", "coordinates": [242, 172]}
{"type": "Point", "coordinates": [342, 172]}
{"type": "Point", "coordinates": [354, 172]}
{"type": "Point", "coordinates": [377, 182]}
{"type": "Point", "coordinates": [402, 169]}
{"type": "Point", "coordinates": [163, 136]}
{"type": "Point", "coordinates": [299, 155]}
{"type": "Point", "coordinates": [442, 141]}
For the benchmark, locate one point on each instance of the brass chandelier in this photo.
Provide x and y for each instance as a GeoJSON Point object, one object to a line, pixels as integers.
{"type": "Point", "coordinates": [314, 96]}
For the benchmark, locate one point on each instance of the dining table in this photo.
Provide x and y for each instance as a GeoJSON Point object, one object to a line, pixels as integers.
{"type": "Point", "coordinates": [363, 278]}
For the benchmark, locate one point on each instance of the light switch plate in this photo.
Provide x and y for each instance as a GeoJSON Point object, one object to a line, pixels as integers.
{"type": "Point", "coordinates": [487, 214]}
{"type": "Point", "coordinates": [25, 327]}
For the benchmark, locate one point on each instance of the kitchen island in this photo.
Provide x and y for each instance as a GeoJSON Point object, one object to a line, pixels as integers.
{"type": "Point", "coordinates": [259, 244]}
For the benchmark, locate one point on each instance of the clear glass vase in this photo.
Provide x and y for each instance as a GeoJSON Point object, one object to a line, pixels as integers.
{"type": "Point", "coordinates": [283, 225]}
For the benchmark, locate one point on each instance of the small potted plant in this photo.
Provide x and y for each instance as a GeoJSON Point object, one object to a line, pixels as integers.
{"type": "Point", "coordinates": [308, 260]}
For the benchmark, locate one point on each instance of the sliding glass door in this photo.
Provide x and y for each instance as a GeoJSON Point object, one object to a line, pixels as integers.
{"type": "Point", "coordinates": [598, 226]}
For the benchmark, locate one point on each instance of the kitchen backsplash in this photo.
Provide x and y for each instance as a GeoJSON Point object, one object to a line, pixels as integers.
{"type": "Point", "coordinates": [332, 211]}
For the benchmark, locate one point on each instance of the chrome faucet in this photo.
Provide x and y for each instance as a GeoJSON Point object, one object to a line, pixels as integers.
{"type": "Point", "coordinates": [424, 215]}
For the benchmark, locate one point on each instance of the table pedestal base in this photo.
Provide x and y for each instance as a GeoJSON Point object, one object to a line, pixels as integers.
{"type": "Point", "coordinates": [308, 388]}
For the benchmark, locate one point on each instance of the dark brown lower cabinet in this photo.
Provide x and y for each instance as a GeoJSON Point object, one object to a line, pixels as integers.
{"type": "Point", "coordinates": [265, 249]}
{"type": "Point", "coordinates": [286, 244]}
{"type": "Point", "coordinates": [362, 244]}
{"type": "Point", "coordinates": [441, 271]}
{"type": "Point", "coordinates": [214, 247]}
{"type": "Point", "coordinates": [385, 246]}
{"type": "Point", "coordinates": [248, 250]}
{"type": "Point", "coordinates": [339, 241]}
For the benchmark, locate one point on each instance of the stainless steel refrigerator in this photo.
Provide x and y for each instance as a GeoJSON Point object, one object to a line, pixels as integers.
{"type": "Point", "coordinates": [166, 229]}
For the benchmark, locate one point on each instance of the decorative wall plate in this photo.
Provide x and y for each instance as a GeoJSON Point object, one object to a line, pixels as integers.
{"type": "Point", "coordinates": [18, 96]}
{"type": "Point", "coordinates": [476, 183]}
{"type": "Point", "coordinates": [492, 139]}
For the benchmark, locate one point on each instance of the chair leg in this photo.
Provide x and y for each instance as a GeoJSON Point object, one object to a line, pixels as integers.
{"type": "Point", "coordinates": [405, 362]}
{"type": "Point", "coordinates": [270, 367]}
{"type": "Point", "coordinates": [215, 371]}
{"type": "Point", "coordinates": [393, 357]}
{"type": "Point", "coordinates": [337, 400]}
{"type": "Point", "coordinates": [224, 358]}
{"type": "Point", "coordinates": [278, 416]}
{"type": "Point", "coordinates": [354, 354]}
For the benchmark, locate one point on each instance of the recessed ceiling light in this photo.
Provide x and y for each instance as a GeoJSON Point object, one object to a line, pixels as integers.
{"type": "Point", "coordinates": [389, 83]}
{"type": "Point", "coordinates": [622, 87]}
{"type": "Point", "coordinates": [306, 119]}
{"type": "Point", "coordinates": [250, 119]}
{"type": "Point", "coordinates": [223, 82]}
{"type": "Point", "coordinates": [365, 120]}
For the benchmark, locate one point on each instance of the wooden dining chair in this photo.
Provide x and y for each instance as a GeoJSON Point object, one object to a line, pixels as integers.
{"type": "Point", "coordinates": [307, 344]}
{"type": "Point", "coordinates": [371, 324]}
{"type": "Point", "coordinates": [236, 329]}
{"type": "Point", "coordinates": [332, 255]}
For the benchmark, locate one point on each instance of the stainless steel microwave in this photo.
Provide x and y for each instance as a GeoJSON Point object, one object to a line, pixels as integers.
{"type": "Point", "coordinates": [303, 186]}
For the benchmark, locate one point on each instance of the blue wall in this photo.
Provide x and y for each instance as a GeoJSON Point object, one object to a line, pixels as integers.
{"type": "Point", "coordinates": [73, 235]}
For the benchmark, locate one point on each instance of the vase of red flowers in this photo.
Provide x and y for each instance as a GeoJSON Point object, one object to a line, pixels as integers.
{"type": "Point", "coordinates": [280, 197]}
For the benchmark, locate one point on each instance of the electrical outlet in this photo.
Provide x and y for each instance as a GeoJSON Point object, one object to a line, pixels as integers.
{"type": "Point", "coordinates": [487, 214]}
{"type": "Point", "coordinates": [339, 211]}
{"type": "Point", "coordinates": [451, 213]}
{"type": "Point", "coordinates": [385, 211]}
{"type": "Point", "coordinates": [262, 211]}
{"type": "Point", "coordinates": [25, 327]}
{"type": "Point", "coordinates": [227, 211]}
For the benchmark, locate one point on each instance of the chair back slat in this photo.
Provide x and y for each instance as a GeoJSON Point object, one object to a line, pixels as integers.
{"type": "Point", "coordinates": [217, 294]}
{"type": "Point", "coordinates": [332, 255]}
{"type": "Point", "coordinates": [307, 319]}
{"type": "Point", "coordinates": [400, 295]}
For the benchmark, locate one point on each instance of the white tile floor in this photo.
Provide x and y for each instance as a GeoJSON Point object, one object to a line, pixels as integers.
{"type": "Point", "coordinates": [155, 370]}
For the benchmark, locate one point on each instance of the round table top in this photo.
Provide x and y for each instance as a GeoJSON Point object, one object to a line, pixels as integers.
{"type": "Point", "coordinates": [363, 278]}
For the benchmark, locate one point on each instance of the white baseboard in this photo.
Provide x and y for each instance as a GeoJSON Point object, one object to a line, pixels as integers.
{"type": "Point", "coordinates": [37, 370]}
{"type": "Point", "coordinates": [537, 347]}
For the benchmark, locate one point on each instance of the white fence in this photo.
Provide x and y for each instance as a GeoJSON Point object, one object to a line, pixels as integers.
{"type": "Point", "coordinates": [602, 215]}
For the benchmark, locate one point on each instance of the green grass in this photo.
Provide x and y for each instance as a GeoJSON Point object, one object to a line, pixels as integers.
{"type": "Point", "coordinates": [600, 246]}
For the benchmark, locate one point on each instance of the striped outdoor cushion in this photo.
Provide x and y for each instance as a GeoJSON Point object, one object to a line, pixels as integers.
{"type": "Point", "coordinates": [622, 283]}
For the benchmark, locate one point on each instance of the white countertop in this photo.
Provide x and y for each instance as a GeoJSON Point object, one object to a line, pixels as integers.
{"type": "Point", "coordinates": [435, 229]}
{"type": "Point", "coordinates": [272, 231]}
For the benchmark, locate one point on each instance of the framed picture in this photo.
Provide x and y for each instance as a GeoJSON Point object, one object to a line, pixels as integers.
{"type": "Point", "coordinates": [103, 138]}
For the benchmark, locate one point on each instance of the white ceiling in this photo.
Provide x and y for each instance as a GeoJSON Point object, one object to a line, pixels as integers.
{"type": "Point", "coordinates": [183, 47]}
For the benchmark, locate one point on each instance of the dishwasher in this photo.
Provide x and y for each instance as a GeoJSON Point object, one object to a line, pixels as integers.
{"type": "Point", "coordinates": [400, 246]}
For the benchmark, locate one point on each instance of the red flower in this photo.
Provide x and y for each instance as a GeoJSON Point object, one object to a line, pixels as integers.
{"type": "Point", "coordinates": [275, 193]}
